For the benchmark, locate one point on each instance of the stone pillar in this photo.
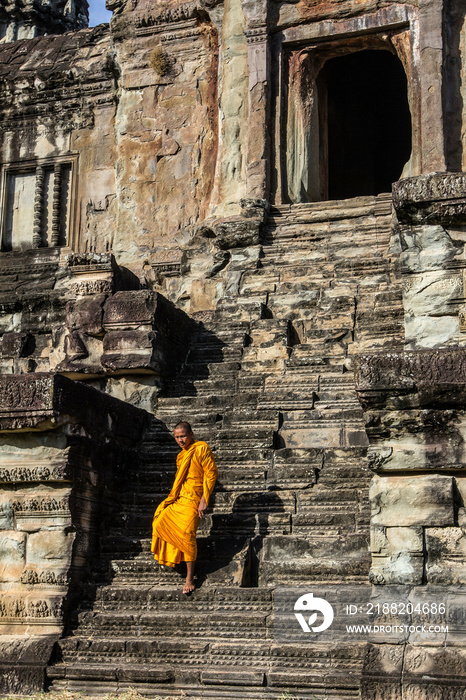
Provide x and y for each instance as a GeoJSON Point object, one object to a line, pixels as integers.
{"type": "Point", "coordinates": [302, 131]}
{"type": "Point", "coordinates": [259, 113]}
{"type": "Point", "coordinates": [430, 85]}
{"type": "Point", "coordinates": [64, 449]}
{"type": "Point", "coordinates": [230, 176]}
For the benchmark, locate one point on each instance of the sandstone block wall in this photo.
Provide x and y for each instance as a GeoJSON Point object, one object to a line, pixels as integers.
{"type": "Point", "coordinates": [58, 491]}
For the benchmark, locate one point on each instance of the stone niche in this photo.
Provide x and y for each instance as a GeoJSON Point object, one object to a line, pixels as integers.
{"type": "Point", "coordinates": [64, 448]}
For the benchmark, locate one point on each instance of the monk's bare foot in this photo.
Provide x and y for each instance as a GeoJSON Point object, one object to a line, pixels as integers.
{"type": "Point", "coordinates": [189, 586]}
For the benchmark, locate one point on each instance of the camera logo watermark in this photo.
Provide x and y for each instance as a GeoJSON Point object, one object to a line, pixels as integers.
{"type": "Point", "coordinates": [307, 603]}
{"type": "Point", "coordinates": [389, 614]}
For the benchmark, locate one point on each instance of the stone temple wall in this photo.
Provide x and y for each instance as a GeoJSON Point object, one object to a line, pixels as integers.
{"type": "Point", "coordinates": [198, 222]}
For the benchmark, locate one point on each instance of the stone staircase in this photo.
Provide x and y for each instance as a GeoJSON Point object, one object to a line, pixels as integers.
{"type": "Point", "coordinates": [268, 384]}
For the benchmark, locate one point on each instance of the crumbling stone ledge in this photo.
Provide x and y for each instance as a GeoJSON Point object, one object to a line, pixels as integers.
{"type": "Point", "coordinates": [435, 198]}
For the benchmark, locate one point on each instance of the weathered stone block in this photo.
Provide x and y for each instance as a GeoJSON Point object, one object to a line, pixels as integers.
{"type": "Point", "coordinates": [397, 555]}
{"type": "Point", "coordinates": [232, 677]}
{"type": "Point", "coordinates": [428, 662]}
{"type": "Point", "coordinates": [385, 540]}
{"type": "Point", "coordinates": [22, 664]}
{"type": "Point", "coordinates": [43, 401]}
{"type": "Point", "coordinates": [446, 555]}
{"type": "Point", "coordinates": [425, 249]}
{"type": "Point", "coordinates": [238, 233]}
{"type": "Point", "coordinates": [7, 521]}
{"type": "Point", "coordinates": [397, 568]}
{"type": "Point", "coordinates": [12, 555]}
{"type": "Point", "coordinates": [205, 295]}
{"type": "Point", "coordinates": [431, 198]}
{"type": "Point", "coordinates": [431, 331]}
{"type": "Point", "coordinates": [127, 310]}
{"type": "Point", "coordinates": [132, 350]}
{"type": "Point", "coordinates": [424, 378]}
{"type": "Point", "coordinates": [409, 501]}
{"type": "Point", "coordinates": [17, 344]}
{"type": "Point", "coordinates": [50, 547]}
{"type": "Point", "coordinates": [86, 314]}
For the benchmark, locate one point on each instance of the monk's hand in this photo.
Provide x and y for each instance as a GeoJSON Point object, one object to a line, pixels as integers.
{"type": "Point", "coordinates": [202, 508]}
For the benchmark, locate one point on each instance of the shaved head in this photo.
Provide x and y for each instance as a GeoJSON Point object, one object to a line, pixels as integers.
{"type": "Point", "coordinates": [186, 426]}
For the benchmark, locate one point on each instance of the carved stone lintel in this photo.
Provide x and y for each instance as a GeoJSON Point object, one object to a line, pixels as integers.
{"type": "Point", "coordinates": [436, 198]}
{"type": "Point", "coordinates": [417, 378]}
{"type": "Point", "coordinates": [91, 287]}
{"type": "Point", "coordinates": [42, 401]}
{"type": "Point", "coordinates": [167, 263]}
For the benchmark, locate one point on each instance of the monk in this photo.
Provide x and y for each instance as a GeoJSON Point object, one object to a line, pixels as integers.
{"type": "Point", "coordinates": [177, 517]}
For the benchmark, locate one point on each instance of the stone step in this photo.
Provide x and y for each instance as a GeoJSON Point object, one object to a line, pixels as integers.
{"type": "Point", "coordinates": [231, 477]}
{"type": "Point", "coordinates": [245, 415]}
{"type": "Point", "coordinates": [245, 455]}
{"type": "Point", "coordinates": [341, 208]}
{"type": "Point", "coordinates": [179, 621]}
{"type": "Point", "coordinates": [222, 558]}
{"type": "Point", "coordinates": [218, 671]}
{"type": "Point", "coordinates": [167, 650]}
{"type": "Point", "coordinates": [246, 438]}
{"type": "Point", "coordinates": [209, 354]}
{"type": "Point", "coordinates": [215, 386]}
{"type": "Point", "coordinates": [171, 404]}
{"type": "Point", "coordinates": [330, 559]}
{"type": "Point", "coordinates": [136, 599]}
{"type": "Point", "coordinates": [341, 689]}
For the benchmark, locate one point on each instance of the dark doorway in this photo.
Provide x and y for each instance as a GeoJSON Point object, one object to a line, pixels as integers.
{"type": "Point", "coordinates": [365, 124]}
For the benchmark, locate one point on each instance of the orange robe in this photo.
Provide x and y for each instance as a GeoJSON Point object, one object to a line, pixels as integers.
{"type": "Point", "coordinates": [176, 518]}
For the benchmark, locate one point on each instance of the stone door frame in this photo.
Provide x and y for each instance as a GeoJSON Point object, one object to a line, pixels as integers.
{"type": "Point", "coordinates": [299, 54]}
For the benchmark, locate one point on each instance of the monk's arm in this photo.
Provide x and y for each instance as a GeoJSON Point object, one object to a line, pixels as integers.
{"type": "Point", "coordinates": [210, 477]}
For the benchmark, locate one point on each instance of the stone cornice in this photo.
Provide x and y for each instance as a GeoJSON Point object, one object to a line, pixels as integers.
{"type": "Point", "coordinates": [436, 198]}
{"type": "Point", "coordinates": [42, 401]}
{"type": "Point", "coordinates": [425, 378]}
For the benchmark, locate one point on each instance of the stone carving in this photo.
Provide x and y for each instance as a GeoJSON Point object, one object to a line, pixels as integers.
{"type": "Point", "coordinates": [194, 287]}
{"type": "Point", "coordinates": [13, 608]}
{"type": "Point", "coordinates": [22, 393]}
{"type": "Point", "coordinates": [434, 198]}
{"type": "Point", "coordinates": [90, 261]}
{"type": "Point", "coordinates": [31, 577]}
{"type": "Point", "coordinates": [377, 457]}
{"type": "Point", "coordinates": [408, 370]}
{"type": "Point", "coordinates": [181, 13]}
{"type": "Point", "coordinates": [167, 263]}
{"type": "Point", "coordinates": [40, 473]}
{"type": "Point", "coordinates": [87, 287]}
{"type": "Point", "coordinates": [45, 505]}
